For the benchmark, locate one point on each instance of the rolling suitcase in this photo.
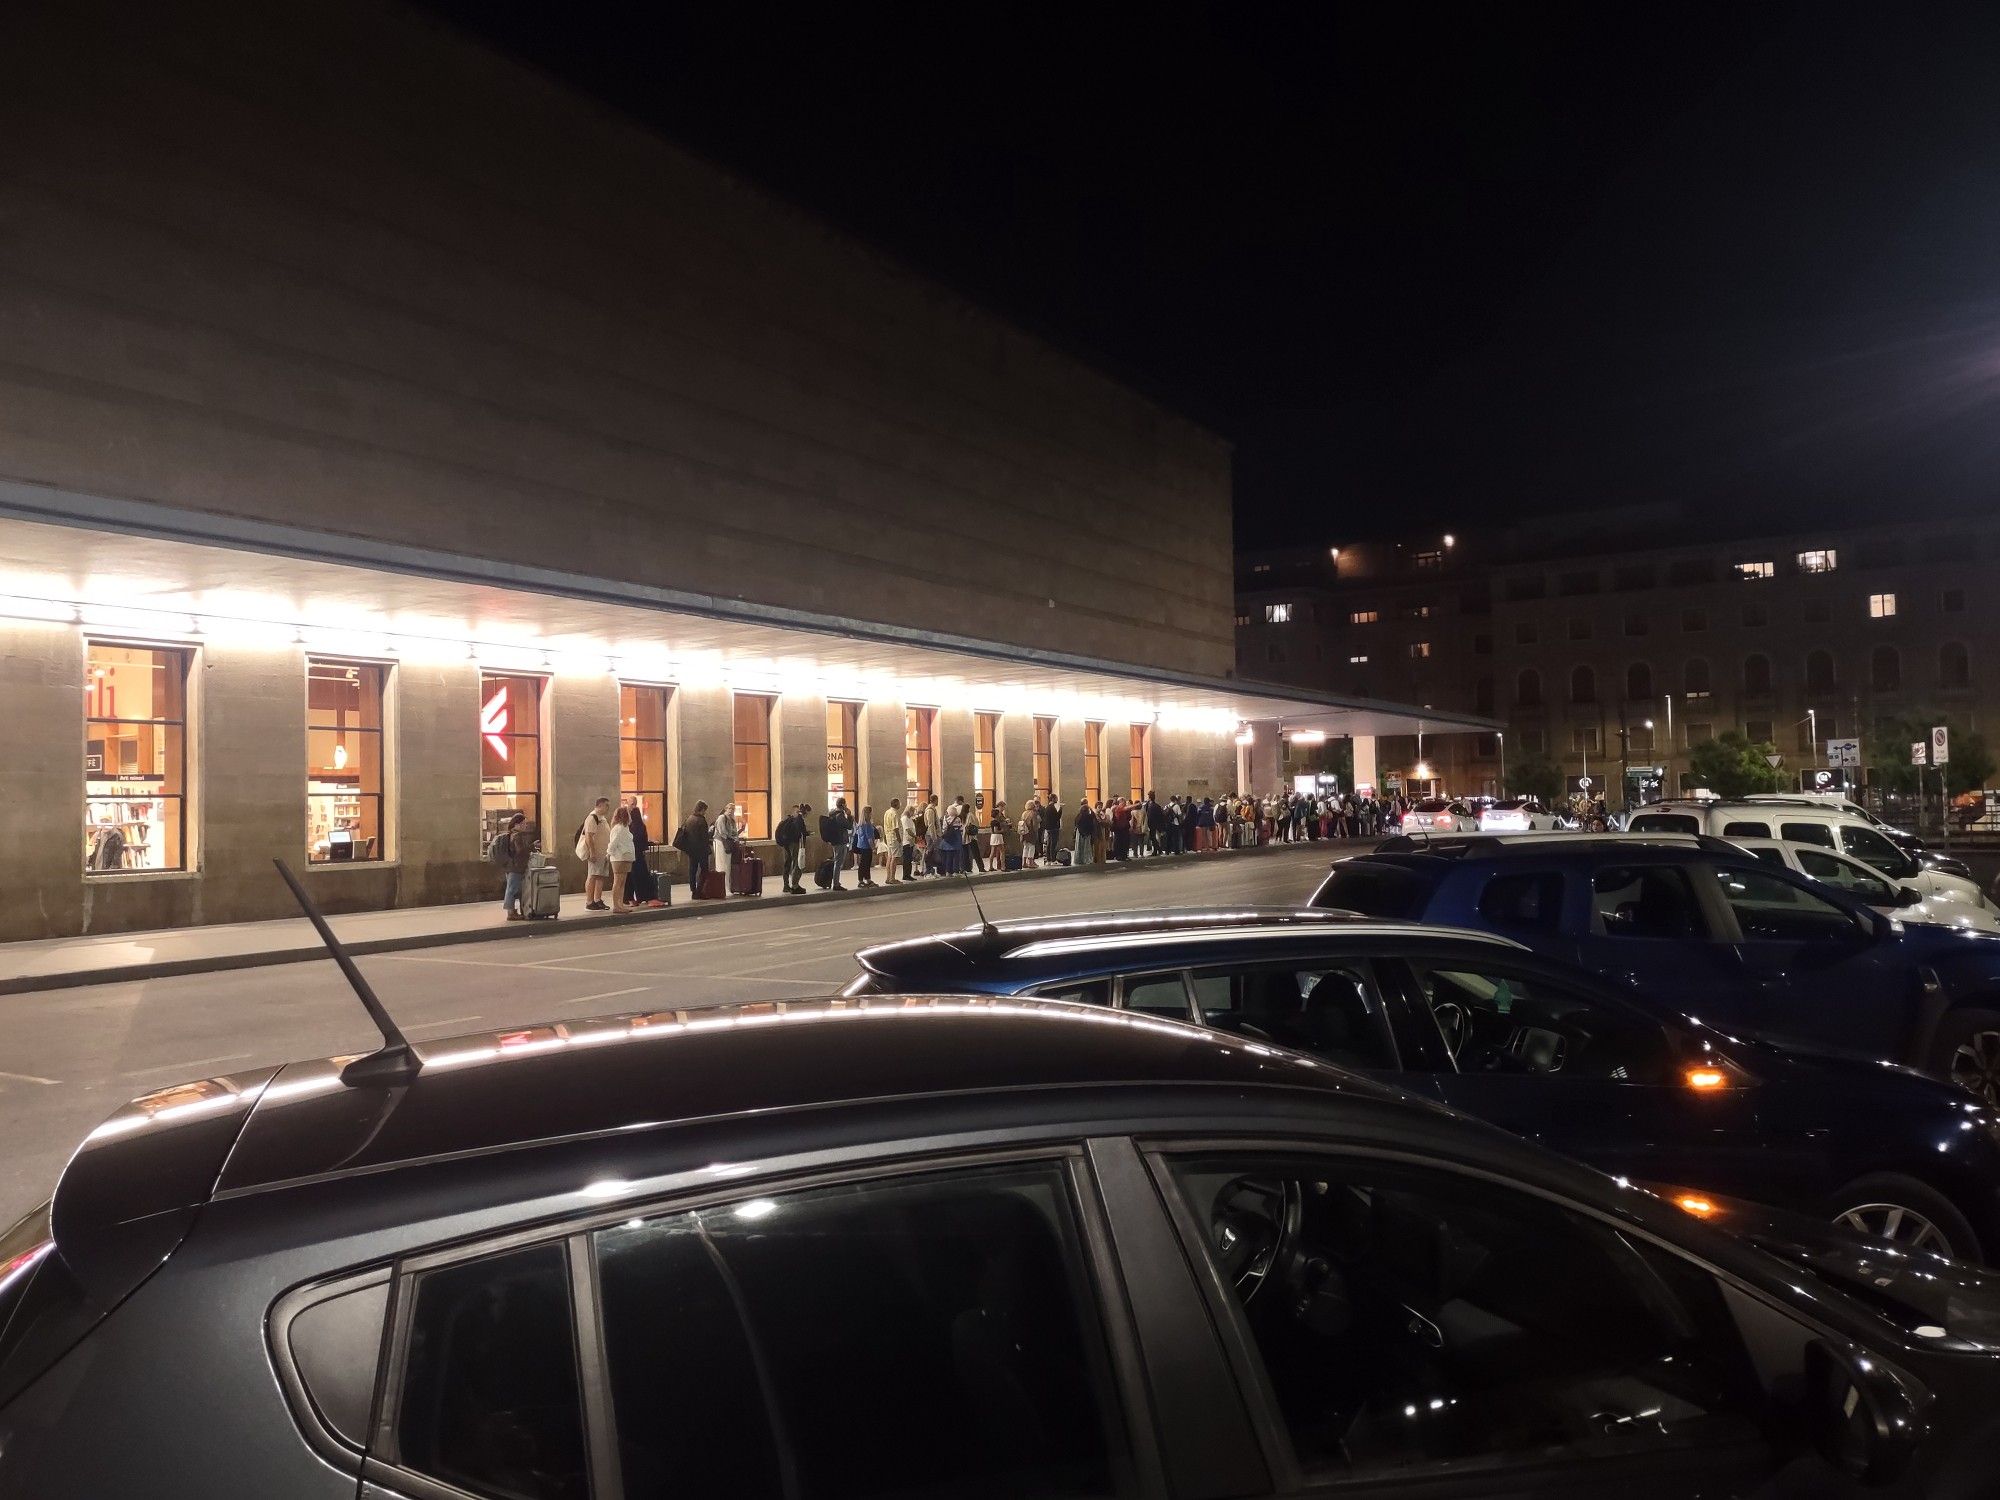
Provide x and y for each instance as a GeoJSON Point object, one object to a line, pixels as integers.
{"type": "Point", "coordinates": [714, 886]}
{"type": "Point", "coordinates": [1013, 861]}
{"type": "Point", "coordinates": [823, 876]}
{"type": "Point", "coordinates": [543, 896]}
{"type": "Point", "coordinates": [746, 875]}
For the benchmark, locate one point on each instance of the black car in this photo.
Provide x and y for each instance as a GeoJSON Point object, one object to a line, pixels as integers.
{"type": "Point", "coordinates": [926, 1247]}
{"type": "Point", "coordinates": [1540, 1047]}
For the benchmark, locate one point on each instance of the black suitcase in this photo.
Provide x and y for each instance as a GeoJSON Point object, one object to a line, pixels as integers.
{"type": "Point", "coordinates": [823, 876]}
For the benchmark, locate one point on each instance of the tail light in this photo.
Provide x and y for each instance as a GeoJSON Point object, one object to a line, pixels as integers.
{"type": "Point", "coordinates": [1442, 820]}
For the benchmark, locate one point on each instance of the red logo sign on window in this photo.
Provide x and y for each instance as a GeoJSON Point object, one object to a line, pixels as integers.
{"type": "Point", "coordinates": [493, 720]}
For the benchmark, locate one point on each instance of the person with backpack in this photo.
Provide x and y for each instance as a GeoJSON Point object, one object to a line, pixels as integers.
{"type": "Point", "coordinates": [974, 849]}
{"type": "Point", "coordinates": [694, 843]}
{"type": "Point", "coordinates": [593, 847]}
{"type": "Point", "coordinates": [837, 828]}
{"type": "Point", "coordinates": [1086, 833]}
{"type": "Point", "coordinates": [791, 838]}
{"type": "Point", "coordinates": [1031, 832]}
{"type": "Point", "coordinates": [866, 836]}
{"type": "Point", "coordinates": [509, 851]}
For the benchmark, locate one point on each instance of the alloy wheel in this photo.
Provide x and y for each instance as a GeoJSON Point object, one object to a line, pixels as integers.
{"type": "Point", "coordinates": [1975, 1065]}
{"type": "Point", "coordinates": [1900, 1226]}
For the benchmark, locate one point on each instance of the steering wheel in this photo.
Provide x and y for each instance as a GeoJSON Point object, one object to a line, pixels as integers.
{"type": "Point", "coordinates": [1253, 1220]}
{"type": "Point", "coordinates": [1454, 1021]}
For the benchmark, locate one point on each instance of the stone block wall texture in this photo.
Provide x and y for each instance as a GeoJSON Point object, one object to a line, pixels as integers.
{"type": "Point", "coordinates": [334, 265]}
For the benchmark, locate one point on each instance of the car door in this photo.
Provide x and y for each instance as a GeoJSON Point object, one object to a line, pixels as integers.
{"type": "Point", "coordinates": [1645, 925]}
{"type": "Point", "coordinates": [1327, 1006]}
{"type": "Point", "coordinates": [1586, 1073]}
{"type": "Point", "coordinates": [1813, 968]}
{"type": "Point", "coordinates": [1404, 1327]}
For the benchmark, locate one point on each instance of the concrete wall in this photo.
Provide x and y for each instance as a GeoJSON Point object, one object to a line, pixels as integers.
{"type": "Point", "coordinates": [331, 265]}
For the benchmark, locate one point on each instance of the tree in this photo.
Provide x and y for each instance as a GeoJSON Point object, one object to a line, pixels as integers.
{"type": "Point", "coordinates": [1536, 776]}
{"type": "Point", "coordinates": [1971, 765]}
{"type": "Point", "coordinates": [1730, 766]}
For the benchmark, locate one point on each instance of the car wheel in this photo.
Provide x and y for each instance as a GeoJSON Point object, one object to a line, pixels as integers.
{"type": "Point", "coordinates": [1968, 1052]}
{"type": "Point", "coordinates": [1905, 1213]}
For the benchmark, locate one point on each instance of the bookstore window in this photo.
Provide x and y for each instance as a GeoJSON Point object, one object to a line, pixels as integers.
{"type": "Point", "coordinates": [344, 804]}
{"type": "Point", "coordinates": [135, 758]}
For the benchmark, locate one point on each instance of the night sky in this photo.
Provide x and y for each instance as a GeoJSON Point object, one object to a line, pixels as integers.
{"type": "Point", "coordinates": [1422, 265]}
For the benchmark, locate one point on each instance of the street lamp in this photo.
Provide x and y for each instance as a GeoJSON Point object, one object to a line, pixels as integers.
{"type": "Point", "coordinates": [1501, 736]}
{"type": "Point", "coordinates": [1667, 755]}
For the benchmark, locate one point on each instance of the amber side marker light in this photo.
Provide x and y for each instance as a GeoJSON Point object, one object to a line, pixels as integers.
{"type": "Point", "coordinates": [1694, 1203]}
{"type": "Point", "coordinates": [1704, 1079]}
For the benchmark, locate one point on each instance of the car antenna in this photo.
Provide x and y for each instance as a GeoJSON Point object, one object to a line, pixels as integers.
{"type": "Point", "coordinates": [395, 1061]}
{"type": "Point", "coordinates": [986, 927]}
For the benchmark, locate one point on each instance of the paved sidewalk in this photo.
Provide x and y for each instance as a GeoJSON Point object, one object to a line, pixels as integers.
{"type": "Point", "coordinates": [58, 963]}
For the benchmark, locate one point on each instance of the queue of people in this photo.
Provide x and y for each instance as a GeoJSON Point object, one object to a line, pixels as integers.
{"type": "Point", "coordinates": [928, 838]}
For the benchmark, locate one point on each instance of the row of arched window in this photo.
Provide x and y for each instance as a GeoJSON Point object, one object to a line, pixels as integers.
{"type": "Point", "coordinates": [1885, 675]}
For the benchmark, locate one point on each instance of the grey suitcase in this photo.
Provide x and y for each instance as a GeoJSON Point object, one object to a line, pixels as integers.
{"type": "Point", "coordinates": [543, 896]}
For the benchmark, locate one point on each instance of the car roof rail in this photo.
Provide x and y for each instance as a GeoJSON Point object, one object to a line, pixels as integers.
{"type": "Point", "coordinates": [1714, 843]}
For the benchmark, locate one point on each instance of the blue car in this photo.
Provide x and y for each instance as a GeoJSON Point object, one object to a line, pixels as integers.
{"type": "Point", "coordinates": [1706, 929]}
{"type": "Point", "coordinates": [1599, 1072]}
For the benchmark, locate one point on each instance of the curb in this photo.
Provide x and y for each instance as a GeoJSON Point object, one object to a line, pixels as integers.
{"type": "Point", "coordinates": [511, 931]}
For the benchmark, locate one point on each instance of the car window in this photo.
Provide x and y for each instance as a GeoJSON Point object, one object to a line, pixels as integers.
{"type": "Point", "coordinates": [1645, 901]}
{"type": "Point", "coordinates": [1158, 995]}
{"type": "Point", "coordinates": [1746, 828]}
{"type": "Point", "coordinates": [1408, 1320]}
{"type": "Point", "coordinates": [1089, 992]}
{"type": "Point", "coordinates": [1499, 1021]}
{"type": "Point", "coordinates": [1807, 833]}
{"type": "Point", "coordinates": [1862, 884]}
{"type": "Point", "coordinates": [1871, 848]}
{"type": "Point", "coordinates": [1771, 908]}
{"type": "Point", "coordinates": [1770, 856]}
{"type": "Point", "coordinates": [915, 1337]}
{"type": "Point", "coordinates": [1374, 890]}
{"type": "Point", "coordinates": [1330, 1010]}
{"type": "Point", "coordinates": [489, 1399]}
{"type": "Point", "coordinates": [1665, 823]}
{"type": "Point", "coordinates": [1532, 900]}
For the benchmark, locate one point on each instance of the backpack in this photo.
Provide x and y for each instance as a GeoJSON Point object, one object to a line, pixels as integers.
{"type": "Point", "coordinates": [501, 851]}
{"type": "Point", "coordinates": [827, 831]}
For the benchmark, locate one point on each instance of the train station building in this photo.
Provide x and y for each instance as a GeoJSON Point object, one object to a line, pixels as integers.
{"type": "Point", "coordinates": [391, 440]}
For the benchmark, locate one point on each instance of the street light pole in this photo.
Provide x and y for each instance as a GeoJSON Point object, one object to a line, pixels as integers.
{"type": "Point", "coordinates": [1502, 738]}
{"type": "Point", "coordinates": [1667, 757]}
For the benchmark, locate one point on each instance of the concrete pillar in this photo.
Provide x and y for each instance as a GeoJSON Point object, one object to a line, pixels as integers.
{"type": "Point", "coordinates": [954, 753]}
{"type": "Point", "coordinates": [580, 738]}
{"type": "Point", "coordinates": [1068, 754]}
{"type": "Point", "coordinates": [884, 766]}
{"type": "Point", "coordinates": [704, 762]}
{"type": "Point", "coordinates": [41, 748]}
{"type": "Point", "coordinates": [1017, 761]}
{"type": "Point", "coordinates": [1267, 773]}
{"type": "Point", "coordinates": [1364, 761]}
{"type": "Point", "coordinates": [433, 782]}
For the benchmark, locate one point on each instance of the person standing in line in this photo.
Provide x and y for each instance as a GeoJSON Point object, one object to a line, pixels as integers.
{"type": "Point", "coordinates": [790, 835]}
{"type": "Point", "coordinates": [511, 850]}
{"type": "Point", "coordinates": [729, 831]}
{"type": "Point", "coordinates": [1086, 833]}
{"type": "Point", "coordinates": [892, 836]}
{"type": "Point", "coordinates": [865, 837]}
{"type": "Point", "coordinates": [838, 830]}
{"type": "Point", "coordinates": [593, 847]}
{"type": "Point", "coordinates": [1052, 827]}
{"type": "Point", "coordinates": [933, 834]}
{"type": "Point", "coordinates": [997, 828]}
{"type": "Point", "coordinates": [1031, 832]}
{"type": "Point", "coordinates": [907, 842]}
{"type": "Point", "coordinates": [642, 888]}
{"type": "Point", "coordinates": [975, 849]}
{"type": "Point", "coordinates": [696, 846]}
{"type": "Point", "coordinates": [621, 851]}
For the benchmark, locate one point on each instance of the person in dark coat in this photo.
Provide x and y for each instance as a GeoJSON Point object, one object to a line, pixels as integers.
{"type": "Point", "coordinates": [642, 886]}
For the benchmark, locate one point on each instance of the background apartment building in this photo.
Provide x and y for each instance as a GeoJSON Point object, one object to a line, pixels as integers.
{"type": "Point", "coordinates": [1588, 641]}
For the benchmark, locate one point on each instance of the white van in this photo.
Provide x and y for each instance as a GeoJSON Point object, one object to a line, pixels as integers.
{"type": "Point", "coordinates": [1852, 878]}
{"type": "Point", "coordinates": [1800, 822]}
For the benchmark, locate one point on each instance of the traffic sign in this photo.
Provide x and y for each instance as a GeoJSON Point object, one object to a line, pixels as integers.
{"type": "Point", "coordinates": [1920, 753]}
{"type": "Point", "coordinates": [1843, 752]}
{"type": "Point", "coordinates": [1940, 745]}
{"type": "Point", "coordinates": [1774, 761]}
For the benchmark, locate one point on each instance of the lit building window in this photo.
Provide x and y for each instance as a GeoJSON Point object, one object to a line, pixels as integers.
{"type": "Point", "coordinates": [1260, 567]}
{"type": "Point", "coordinates": [919, 755]}
{"type": "Point", "coordinates": [751, 715]}
{"type": "Point", "coordinates": [510, 755]}
{"type": "Point", "coordinates": [1428, 560]}
{"type": "Point", "coordinates": [1419, 612]}
{"type": "Point", "coordinates": [1277, 614]}
{"type": "Point", "coordinates": [1093, 763]}
{"type": "Point", "coordinates": [135, 759]}
{"type": "Point", "coordinates": [1363, 617]}
{"type": "Point", "coordinates": [642, 753]}
{"type": "Point", "coordinates": [1357, 661]}
{"type": "Point", "coordinates": [1752, 570]}
{"type": "Point", "coordinates": [843, 755]}
{"type": "Point", "coordinates": [985, 760]}
{"type": "Point", "coordinates": [1142, 760]}
{"type": "Point", "coordinates": [1242, 619]}
{"type": "Point", "coordinates": [1881, 606]}
{"type": "Point", "coordinates": [1420, 648]}
{"type": "Point", "coordinates": [1819, 560]}
{"type": "Point", "coordinates": [344, 761]}
{"type": "Point", "coordinates": [1044, 758]}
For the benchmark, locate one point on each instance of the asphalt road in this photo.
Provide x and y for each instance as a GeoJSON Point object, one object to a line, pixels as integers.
{"type": "Point", "coordinates": [68, 1058]}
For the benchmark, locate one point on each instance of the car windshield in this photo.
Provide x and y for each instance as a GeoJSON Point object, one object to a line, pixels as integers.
{"type": "Point", "coordinates": [1942, 1301]}
{"type": "Point", "coordinates": [1513, 804]}
{"type": "Point", "coordinates": [1374, 890]}
{"type": "Point", "coordinates": [1435, 804]}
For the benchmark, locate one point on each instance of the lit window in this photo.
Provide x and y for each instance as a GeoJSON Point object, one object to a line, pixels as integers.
{"type": "Point", "coordinates": [1428, 560]}
{"type": "Point", "coordinates": [1363, 617]}
{"type": "Point", "coordinates": [642, 752]}
{"type": "Point", "coordinates": [1355, 661]}
{"type": "Point", "coordinates": [985, 760]}
{"type": "Point", "coordinates": [1750, 570]}
{"type": "Point", "coordinates": [1093, 763]}
{"type": "Point", "coordinates": [920, 754]}
{"type": "Point", "coordinates": [1277, 614]}
{"type": "Point", "coordinates": [1242, 619]}
{"type": "Point", "coordinates": [1418, 612]}
{"type": "Point", "coordinates": [1044, 758]}
{"type": "Point", "coordinates": [1260, 567]}
{"type": "Point", "coordinates": [843, 755]}
{"type": "Point", "coordinates": [135, 759]}
{"type": "Point", "coordinates": [510, 755]}
{"type": "Point", "coordinates": [751, 715]}
{"type": "Point", "coordinates": [1820, 560]}
{"type": "Point", "coordinates": [1881, 606]}
{"type": "Point", "coordinates": [1420, 648]}
{"type": "Point", "coordinates": [1142, 761]}
{"type": "Point", "coordinates": [343, 761]}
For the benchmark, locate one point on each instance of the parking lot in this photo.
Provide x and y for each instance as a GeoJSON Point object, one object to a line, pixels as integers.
{"type": "Point", "coordinates": [72, 1056]}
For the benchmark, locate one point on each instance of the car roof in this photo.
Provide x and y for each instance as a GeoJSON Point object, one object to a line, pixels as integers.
{"type": "Point", "coordinates": [1421, 852]}
{"type": "Point", "coordinates": [490, 1092]}
{"type": "Point", "coordinates": [1792, 805]}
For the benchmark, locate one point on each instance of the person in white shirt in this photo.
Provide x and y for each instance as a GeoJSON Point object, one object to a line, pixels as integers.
{"type": "Point", "coordinates": [622, 852]}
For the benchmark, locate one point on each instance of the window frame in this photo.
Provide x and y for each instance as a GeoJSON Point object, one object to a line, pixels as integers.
{"type": "Point", "coordinates": [664, 740]}
{"type": "Point", "coordinates": [919, 745]}
{"type": "Point", "coordinates": [1106, 1324]}
{"type": "Point", "coordinates": [385, 677]}
{"type": "Point", "coordinates": [1139, 743]}
{"type": "Point", "coordinates": [744, 796]}
{"type": "Point", "coordinates": [188, 845]}
{"type": "Point", "coordinates": [1093, 761]}
{"type": "Point", "coordinates": [540, 791]}
{"type": "Point", "coordinates": [849, 710]}
{"type": "Point", "coordinates": [1042, 755]}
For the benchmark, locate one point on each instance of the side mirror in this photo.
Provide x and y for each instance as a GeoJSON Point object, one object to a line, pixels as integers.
{"type": "Point", "coordinates": [1861, 1419]}
{"type": "Point", "coordinates": [1908, 895]}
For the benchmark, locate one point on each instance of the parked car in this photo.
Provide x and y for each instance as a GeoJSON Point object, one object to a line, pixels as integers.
{"type": "Point", "coordinates": [1805, 822]}
{"type": "Point", "coordinates": [1440, 815]}
{"type": "Point", "coordinates": [1929, 858]}
{"type": "Point", "coordinates": [1539, 1047]}
{"type": "Point", "coordinates": [946, 1248]}
{"type": "Point", "coordinates": [1516, 815]}
{"type": "Point", "coordinates": [1702, 926]}
{"type": "Point", "coordinates": [1851, 877]}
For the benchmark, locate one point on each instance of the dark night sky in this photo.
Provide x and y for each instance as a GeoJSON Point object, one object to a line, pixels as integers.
{"type": "Point", "coordinates": [1422, 264]}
